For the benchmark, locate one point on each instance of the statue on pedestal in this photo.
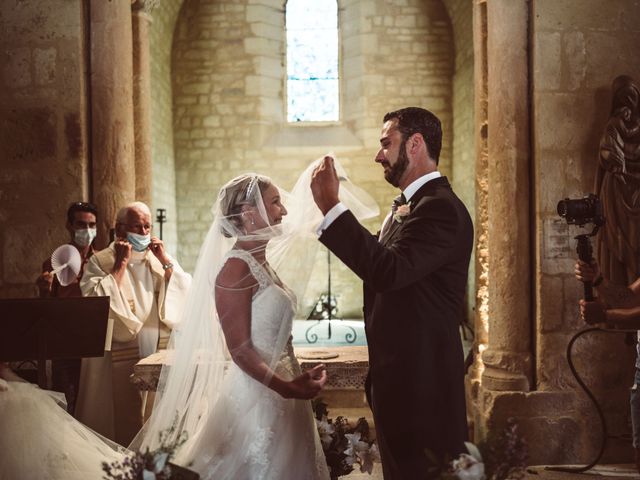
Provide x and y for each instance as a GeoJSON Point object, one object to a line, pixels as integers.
{"type": "Point", "coordinates": [618, 185]}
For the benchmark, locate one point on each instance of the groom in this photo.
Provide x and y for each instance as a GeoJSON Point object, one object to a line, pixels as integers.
{"type": "Point", "coordinates": [414, 276]}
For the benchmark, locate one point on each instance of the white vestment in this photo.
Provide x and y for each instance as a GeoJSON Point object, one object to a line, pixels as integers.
{"type": "Point", "coordinates": [142, 310]}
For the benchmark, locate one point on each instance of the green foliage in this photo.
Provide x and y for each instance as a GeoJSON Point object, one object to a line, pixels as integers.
{"type": "Point", "coordinates": [138, 464]}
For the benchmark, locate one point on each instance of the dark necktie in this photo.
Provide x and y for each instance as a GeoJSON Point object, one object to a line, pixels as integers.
{"type": "Point", "coordinates": [399, 200]}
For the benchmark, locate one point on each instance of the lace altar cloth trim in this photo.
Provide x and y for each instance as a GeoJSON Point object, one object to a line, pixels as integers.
{"type": "Point", "coordinates": [345, 372]}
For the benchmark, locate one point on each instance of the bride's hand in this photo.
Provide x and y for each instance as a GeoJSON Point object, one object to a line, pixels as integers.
{"type": "Point", "coordinates": [309, 384]}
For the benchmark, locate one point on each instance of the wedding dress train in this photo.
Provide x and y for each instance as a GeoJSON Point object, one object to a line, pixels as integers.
{"type": "Point", "coordinates": [40, 440]}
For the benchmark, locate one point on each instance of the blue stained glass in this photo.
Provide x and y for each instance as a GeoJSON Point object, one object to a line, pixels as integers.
{"type": "Point", "coordinates": [312, 61]}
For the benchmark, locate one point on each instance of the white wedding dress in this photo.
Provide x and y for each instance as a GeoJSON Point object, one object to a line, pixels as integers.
{"type": "Point", "coordinates": [255, 434]}
{"type": "Point", "coordinates": [40, 440]}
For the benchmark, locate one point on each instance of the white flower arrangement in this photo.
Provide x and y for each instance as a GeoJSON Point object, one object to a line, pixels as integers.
{"type": "Point", "coordinates": [345, 446]}
{"type": "Point", "coordinates": [469, 466]}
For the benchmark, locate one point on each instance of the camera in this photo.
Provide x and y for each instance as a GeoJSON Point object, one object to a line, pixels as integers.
{"type": "Point", "coordinates": [581, 211]}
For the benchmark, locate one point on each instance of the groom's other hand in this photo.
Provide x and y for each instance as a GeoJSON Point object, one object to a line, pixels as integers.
{"type": "Point", "coordinates": [325, 185]}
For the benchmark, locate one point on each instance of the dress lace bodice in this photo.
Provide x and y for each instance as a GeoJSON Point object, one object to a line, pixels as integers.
{"type": "Point", "coordinates": [255, 433]}
{"type": "Point", "coordinates": [272, 310]}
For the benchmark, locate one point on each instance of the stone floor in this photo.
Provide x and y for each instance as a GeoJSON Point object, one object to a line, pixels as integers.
{"type": "Point", "coordinates": [599, 472]}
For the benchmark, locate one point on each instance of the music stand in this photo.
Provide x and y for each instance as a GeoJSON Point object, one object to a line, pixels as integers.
{"type": "Point", "coordinates": [52, 328]}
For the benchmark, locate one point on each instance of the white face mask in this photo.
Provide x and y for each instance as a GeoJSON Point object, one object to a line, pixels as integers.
{"type": "Point", "coordinates": [84, 237]}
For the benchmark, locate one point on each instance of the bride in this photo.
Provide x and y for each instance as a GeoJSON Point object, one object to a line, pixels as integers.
{"type": "Point", "coordinates": [232, 395]}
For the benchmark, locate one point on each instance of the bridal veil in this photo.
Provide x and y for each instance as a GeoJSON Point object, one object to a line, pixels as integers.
{"type": "Point", "coordinates": [189, 388]}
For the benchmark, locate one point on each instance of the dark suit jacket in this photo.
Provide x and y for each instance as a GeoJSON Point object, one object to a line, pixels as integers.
{"type": "Point", "coordinates": [414, 283]}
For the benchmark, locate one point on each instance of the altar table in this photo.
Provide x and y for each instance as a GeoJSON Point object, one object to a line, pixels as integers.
{"type": "Point", "coordinates": [346, 371]}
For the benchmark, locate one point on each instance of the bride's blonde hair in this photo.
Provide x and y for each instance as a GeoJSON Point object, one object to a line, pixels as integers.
{"type": "Point", "coordinates": [242, 190]}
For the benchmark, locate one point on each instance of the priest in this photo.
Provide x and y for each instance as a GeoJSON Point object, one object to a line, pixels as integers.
{"type": "Point", "coordinates": [147, 288]}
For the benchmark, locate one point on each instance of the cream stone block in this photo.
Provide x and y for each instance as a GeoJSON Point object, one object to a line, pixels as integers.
{"type": "Point", "coordinates": [271, 108]}
{"type": "Point", "coordinates": [233, 8]}
{"type": "Point", "coordinates": [195, 88]}
{"type": "Point", "coordinates": [269, 66]}
{"type": "Point", "coordinates": [17, 67]}
{"type": "Point", "coordinates": [196, 55]}
{"type": "Point", "coordinates": [405, 21]}
{"type": "Point", "coordinates": [258, 85]}
{"type": "Point", "coordinates": [186, 100]}
{"type": "Point", "coordinates": [547, 55]}
{"type": "Point", "coordinates": [367, 8]}
{"type": "Point", "coordinates": [373, 84]}
{"type": "Point", "coordinates": [267, 3]}
{"type": "Point", "coordinates": [51, 20]}
{"type": "Point", "coordinates": [609, 54]}
{"type": "Point", "coordinates": [550, 300]}
{"type": "Point", "coordinates": [211, 121]}
{"type": "Point", "coordinates": [551, 180]}
{"type": "Point", "coordinates": [566, 15]}
{"type": "Point", "coordinates": [261, 46]}
{"type": "Point", "coordinates": [44, 63]}
{"type": "Point", "coordinates": [18, 244]}
{"type": "Point", "coordinates": [354, 66]}
{"type": "Point", "coordinates": [368, 43]}
{"type": "Point", "coordinates": [560, 120]}
{"type": "Point", "coordinates": [265, 30]}
{"type": "Point", "coordinates": [574, 59]}
{"type": "Point", "coordinates": [204, 143]}
{"type": "Point", "coordinates": [265, 13]}
{"type": "Point", "coordinates": [573, 291]}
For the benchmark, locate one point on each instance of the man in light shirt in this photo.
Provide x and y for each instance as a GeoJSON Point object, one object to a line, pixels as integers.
{"type": "Point", "coordinates": [415, 276]}
{"type": "Point", "coordinates": [147, 289]}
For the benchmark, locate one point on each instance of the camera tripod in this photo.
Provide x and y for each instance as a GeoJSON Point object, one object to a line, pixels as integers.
{"type": "Point", "coordinates": [585, 253]}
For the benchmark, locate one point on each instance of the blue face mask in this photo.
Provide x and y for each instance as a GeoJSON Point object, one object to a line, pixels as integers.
{"type": "Point", "coordinates": [138, 242]}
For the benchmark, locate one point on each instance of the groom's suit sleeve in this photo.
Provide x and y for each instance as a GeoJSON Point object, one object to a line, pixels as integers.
{"type": "Point", "coordinates": [427, 240]}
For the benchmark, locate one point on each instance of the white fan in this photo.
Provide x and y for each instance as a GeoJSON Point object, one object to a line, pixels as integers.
{"type": "Point", "coordinates": [66, 263]}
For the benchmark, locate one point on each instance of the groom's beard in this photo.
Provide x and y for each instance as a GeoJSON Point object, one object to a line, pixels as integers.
{"type": "Point", "coordinates": [395, 172]}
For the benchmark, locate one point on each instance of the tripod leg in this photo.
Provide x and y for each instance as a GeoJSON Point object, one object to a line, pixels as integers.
{"type": "Point", "coordinates": [585, 253]}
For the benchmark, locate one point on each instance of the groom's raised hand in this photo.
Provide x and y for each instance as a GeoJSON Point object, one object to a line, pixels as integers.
{"type": "Point", "coordinates": [325, 185]}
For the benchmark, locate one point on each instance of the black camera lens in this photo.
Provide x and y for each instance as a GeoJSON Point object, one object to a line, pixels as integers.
{"type": "Point", "coordinates": [581, 211]}
{"type": "Point", "coordinates": [562, 208]}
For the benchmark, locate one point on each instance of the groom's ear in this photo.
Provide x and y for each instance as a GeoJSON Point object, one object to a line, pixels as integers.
{"type": "Point", "coordinates": [416, 143]}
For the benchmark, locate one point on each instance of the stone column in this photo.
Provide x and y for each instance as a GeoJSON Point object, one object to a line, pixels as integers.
{"type": "Point", "coordinates": [481, 220]}
{"type": "Point", "coordinates": [507, 360]}
{"type": "Point", "coordinates": [141, 18]}
{"type": "Point", "coordinates": [112, 163]}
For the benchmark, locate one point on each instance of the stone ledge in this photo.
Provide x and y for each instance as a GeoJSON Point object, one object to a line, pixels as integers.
{"type": "Point", "coordinates": [345, 372]}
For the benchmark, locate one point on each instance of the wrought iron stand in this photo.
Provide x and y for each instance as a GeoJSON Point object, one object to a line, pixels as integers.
{"type": "Point", "coordinates": [325, 309]}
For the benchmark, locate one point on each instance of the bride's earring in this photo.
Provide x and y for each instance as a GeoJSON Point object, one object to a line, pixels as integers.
{"type": "Point", "coordinates": [253, 222]}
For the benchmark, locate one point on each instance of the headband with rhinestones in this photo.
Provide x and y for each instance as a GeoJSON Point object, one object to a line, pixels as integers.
{"type": "Point", "coordinates": [250, 187]}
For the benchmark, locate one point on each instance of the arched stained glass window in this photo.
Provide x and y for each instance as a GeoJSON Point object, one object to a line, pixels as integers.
{"type": "Point", "coordinates": [312, 61]}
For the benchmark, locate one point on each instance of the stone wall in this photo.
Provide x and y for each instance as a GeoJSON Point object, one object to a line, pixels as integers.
{"type": "Point", "coordinates": [229, 115]}
{"type": "Point", "coordinates": [43, 137]}
{"type": "Point", "coordinates": [579, 47]}
{"type": "Point", "coordinates": [463, 150]}
{"type": "Point", "coordinates": [164, 177]}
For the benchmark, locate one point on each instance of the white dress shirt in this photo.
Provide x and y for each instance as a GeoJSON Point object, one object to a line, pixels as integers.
{"type": "Point", "coordinates": [339, 208]}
